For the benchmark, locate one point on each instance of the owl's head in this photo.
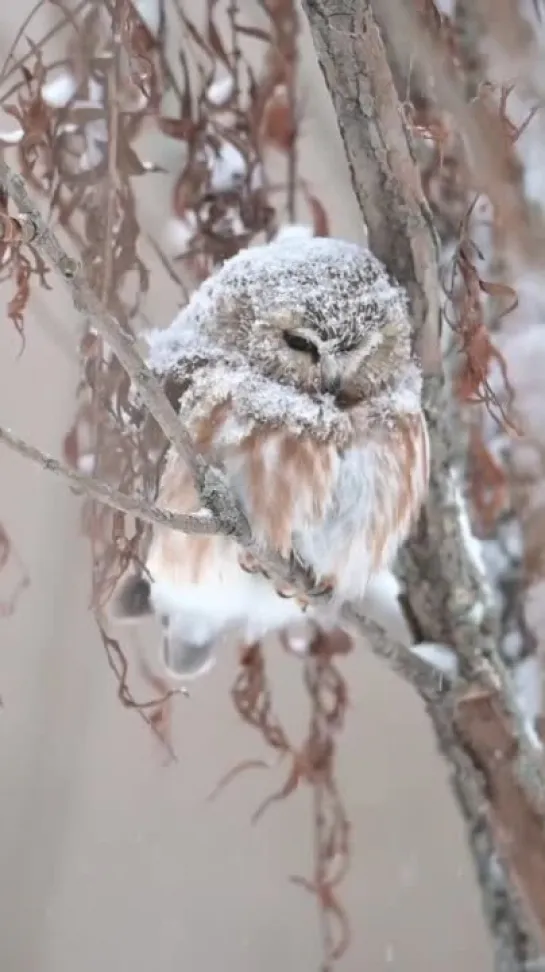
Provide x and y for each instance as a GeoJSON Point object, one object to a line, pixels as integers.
{"type": "Point", "coordinates": [318, 314]}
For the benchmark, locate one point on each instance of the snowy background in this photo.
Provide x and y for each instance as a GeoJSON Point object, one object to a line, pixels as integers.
{"type": "Point", "coordinates": [112, 860]}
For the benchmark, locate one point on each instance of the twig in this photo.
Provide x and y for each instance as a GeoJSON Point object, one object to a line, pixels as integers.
{"type": "Point", "coordinates": [66, 18]}
{"type": "Point", "coordinates": [214, 494]}
{"type": "Point", "coordinates": [202, 522]}
{"type": "Point", "coordinates": [112, 94]}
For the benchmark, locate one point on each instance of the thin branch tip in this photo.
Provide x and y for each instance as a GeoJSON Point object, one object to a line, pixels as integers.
{"type": "Point", "coordinates": [202, 522]}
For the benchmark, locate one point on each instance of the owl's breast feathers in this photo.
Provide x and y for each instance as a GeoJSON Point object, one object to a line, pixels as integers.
{"type": "Point", "coordinates": [341, 510]}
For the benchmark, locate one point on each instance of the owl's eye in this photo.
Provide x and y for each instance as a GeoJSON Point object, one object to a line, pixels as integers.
{"type": "Point", "coordinates": [299, 343]}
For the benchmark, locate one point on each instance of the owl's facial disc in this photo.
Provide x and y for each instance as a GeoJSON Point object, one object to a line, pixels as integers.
{"type": "Point", "coordinates": [331, 375]}
{"type": "Point", "coordinates": [371, 366]}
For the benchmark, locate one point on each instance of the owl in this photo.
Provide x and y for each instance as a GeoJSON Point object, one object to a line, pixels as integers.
{"type": "Point", "coordinates": [291, 368]}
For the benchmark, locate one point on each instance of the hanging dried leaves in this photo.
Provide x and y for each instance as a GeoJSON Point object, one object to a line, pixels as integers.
{"type": "Point", "coordinates": [80, 120]}
{"type": "Point", "coordinates": [78, 142]}
{"type": "Point", "coordinates": [313, 763]}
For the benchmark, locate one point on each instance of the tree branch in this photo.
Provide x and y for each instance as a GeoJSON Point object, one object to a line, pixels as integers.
{"type": "Point", "coordinates": [228, 518]}
{"type": "Point", "coordinates": [202, 522]}
{"type": "Point", "coordinates": [429, 682]}
{"type": "Point", "coordinates": [455, 607]}
{"type": "Point", "coordinates": [374, 132]}
{"type": "Point", "coordinates": [446, 585]}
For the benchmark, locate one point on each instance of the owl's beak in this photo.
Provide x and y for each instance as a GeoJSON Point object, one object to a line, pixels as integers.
{"type": "Point", "coordinates": [348, 395]}
{"type": "Point", "coordinates": [347, 392]}
{"type": "Point", "coordinates": [331, 377]}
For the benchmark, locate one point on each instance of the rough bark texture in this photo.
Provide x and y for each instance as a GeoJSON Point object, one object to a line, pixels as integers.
{"type": "Point", "coordinates": [444, 581]}
{"type": "Point", "coordinates": [446, 587]}
{"type": "Point", "coordinates": [373, 129]}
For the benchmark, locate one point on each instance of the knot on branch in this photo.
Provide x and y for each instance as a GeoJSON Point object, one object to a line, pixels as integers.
{"type": "Point", "coordinates": [217, 497]}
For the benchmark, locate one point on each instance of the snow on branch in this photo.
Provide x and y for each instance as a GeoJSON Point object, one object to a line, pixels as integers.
{"type": "Point", "coordinates": [446, 587]}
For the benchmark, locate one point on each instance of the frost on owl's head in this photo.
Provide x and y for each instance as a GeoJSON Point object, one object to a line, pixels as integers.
{"type": "Point", "coordinates": [319, 315]}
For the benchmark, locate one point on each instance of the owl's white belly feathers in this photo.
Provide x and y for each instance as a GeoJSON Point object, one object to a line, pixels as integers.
{"type": "Point", "coordinates": [344, 518]}
{"type": "Point", "coordinates": [225, 597]}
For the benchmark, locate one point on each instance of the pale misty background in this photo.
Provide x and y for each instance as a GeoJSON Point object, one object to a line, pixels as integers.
{"type": "Point", "coordinates": [108, 858]}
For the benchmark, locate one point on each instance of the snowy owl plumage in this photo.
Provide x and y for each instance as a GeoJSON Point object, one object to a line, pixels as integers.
{"type": "Point", "coordinates": [292, 370]}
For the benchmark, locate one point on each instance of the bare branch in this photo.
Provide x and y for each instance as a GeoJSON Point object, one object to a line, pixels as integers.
{"type": "Point", "coordinates": [446, 586]}
{"type": "Point", "coordinates": [202, 522]}
{"type": "Point", "coordinates": [445, 582]}
{"type": "Point", "coordinates": [213, 491]}
{"type": "Point", "coordinates": [384, 172]}
{"type": "Point", "coordinates": [113, 96]}
{"type": "Point", "coordinates": [430, 683]}
{"type": "Point", "coordinates": [510, 920]}
{"type": "Point", "coordinates": [488, 155]}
